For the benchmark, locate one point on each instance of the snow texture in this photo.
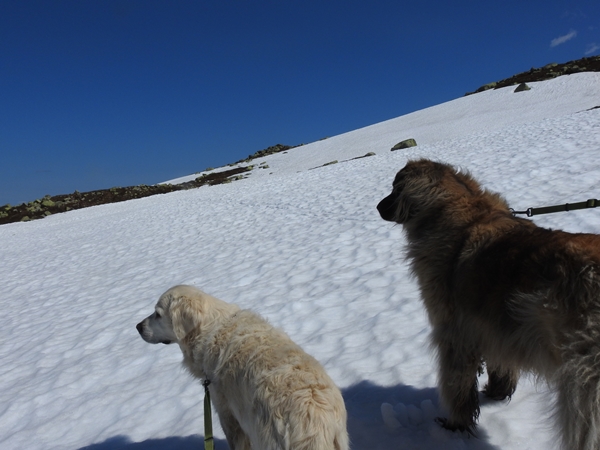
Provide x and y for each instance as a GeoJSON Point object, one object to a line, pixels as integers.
{"type": "Point", "coordinates": [304, 248]}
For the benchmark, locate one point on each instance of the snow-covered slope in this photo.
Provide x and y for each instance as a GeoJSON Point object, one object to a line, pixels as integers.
{"type": "Point", "coordinates": [305, 248]}
{"type": "Point", "coordinates": [485, 112]}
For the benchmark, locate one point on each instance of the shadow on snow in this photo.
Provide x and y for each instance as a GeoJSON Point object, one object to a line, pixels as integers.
{"type": "Point", "coordinates": [368, 431]}
{"type": "Point", "coordinates": [193, 442]}
{"type": "Point", "coordinates": [365, 426]}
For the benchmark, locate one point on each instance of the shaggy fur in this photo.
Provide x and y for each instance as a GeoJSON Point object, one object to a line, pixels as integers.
{"type": "Point", "coordinates": [269, 394]}
{"type": "Point", "coordinates": [502, 290]}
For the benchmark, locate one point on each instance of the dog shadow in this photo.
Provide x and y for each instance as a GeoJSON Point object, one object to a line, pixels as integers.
{"type": "Point", "coordinates": [409, 423]}
{"type": "Point", "coordinates": [406, 421]}
{"type": "Point", "coordinates": [192, 442]}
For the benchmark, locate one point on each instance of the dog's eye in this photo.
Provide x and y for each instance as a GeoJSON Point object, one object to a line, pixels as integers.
{"type": "Point", "coordinates": [157, 315]}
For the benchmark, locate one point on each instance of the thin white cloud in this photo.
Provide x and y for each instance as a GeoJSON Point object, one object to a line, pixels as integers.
{"type": "Point", "coordinates": [592, 48]}
{"type": "Point", "coordinates": [562, 39]}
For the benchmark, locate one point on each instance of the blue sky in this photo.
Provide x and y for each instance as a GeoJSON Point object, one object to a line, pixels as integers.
{"type": "Point", "coordinates": [96, 94]}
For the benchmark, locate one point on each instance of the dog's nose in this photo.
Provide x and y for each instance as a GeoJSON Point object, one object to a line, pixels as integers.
{"type": "Point", "coordinates": [139, 327]}
{"type": "Point", "coordinates": [387, 208]}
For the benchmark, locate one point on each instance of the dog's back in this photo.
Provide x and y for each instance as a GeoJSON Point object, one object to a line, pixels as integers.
{"type": "Point", "coordinates": [283, 398]}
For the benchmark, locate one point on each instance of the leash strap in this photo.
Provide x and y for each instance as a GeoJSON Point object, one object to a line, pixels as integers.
{"type": "Point", "coordinates": [591, 203]}
{"type": "Point", "coordinates": [209, 443]}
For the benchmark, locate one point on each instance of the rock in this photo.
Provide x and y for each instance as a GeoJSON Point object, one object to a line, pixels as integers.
{"type": "Point", "coordinates": [522, 87]}
{"type": "Point", "coordinates": [404, 144]}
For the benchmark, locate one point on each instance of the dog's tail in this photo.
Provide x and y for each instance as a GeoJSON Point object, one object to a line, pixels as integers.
{"type": "Point", "coordinates": [341, 440]}
{"type": "Point", "coordinates": [332, 434]}
{"type": "Point", "coordinates": [321, 423]}
{"type": "Point", "coordinates": [578, 383]}
{"type": "Point", "coordinates": [322, 436]}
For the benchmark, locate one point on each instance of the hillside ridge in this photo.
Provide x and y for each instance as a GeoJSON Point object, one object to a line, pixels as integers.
{"type": "Point", "coordinates": [547, 72]}
{"type": "Point", "coordinates": [49, 205]}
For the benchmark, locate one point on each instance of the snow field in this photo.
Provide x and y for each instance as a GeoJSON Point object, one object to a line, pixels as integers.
{"type": "Point", "coordinates": [304, 248]}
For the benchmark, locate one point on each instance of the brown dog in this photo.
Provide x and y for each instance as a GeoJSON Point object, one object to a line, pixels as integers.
{"type": "Point", "coordinates": [502, 290]}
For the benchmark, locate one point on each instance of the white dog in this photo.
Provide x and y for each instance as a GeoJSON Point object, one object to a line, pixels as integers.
{"type": "Point", "coordinates": [269, 394]}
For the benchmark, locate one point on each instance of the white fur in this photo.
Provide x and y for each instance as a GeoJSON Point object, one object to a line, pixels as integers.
{"type": "Point", "coordinates": [269, 394]}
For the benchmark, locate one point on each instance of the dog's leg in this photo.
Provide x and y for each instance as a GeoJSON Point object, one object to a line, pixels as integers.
{"type": "Point", "coordinates": [501, 384]}
{"type": "Point", "coordinates": [578, 402]}
{"type": "Point", "coordinates": [458, 386]}
{"type": "Point", "coordinates": [236, 438]}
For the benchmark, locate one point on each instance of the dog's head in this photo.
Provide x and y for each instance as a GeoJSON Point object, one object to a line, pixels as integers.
{"type": "Point", "coordinates": [416, 187]}
{"type": "Point", "coordinates": [425, 191]}
{"type": "Point", "coordinates": [180, 311]}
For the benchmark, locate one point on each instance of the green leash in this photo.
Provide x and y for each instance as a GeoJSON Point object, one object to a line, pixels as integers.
{"type": "Point", "coordinates": [209, 443]}
{"type": "Point", "coordinates": [591, 203]}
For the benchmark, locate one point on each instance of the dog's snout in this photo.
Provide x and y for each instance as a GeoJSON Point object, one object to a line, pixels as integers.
{"type": "Point", "coordinates": [140, 327]}
{"type": "Point", "coordinates": [387, 208]}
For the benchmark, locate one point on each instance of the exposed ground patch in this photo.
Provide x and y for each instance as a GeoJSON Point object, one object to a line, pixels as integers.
{"type": "Point", "coordinates": [49, 205]}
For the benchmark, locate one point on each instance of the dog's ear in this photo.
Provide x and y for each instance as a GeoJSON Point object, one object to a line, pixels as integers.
{"type": "Point", "coordinates": [417, 188]}
{"type": "Point", "coordinates": [406, 207]}
{"type": "Point", "coordinates": [184, 317]}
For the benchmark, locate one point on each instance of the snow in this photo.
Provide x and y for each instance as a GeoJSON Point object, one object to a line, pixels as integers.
{"type": "Point", "coordinates": [304, 248]}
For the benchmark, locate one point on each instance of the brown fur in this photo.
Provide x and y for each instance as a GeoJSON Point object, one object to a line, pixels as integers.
{"type": "Point", "coordinates": [502, 290]}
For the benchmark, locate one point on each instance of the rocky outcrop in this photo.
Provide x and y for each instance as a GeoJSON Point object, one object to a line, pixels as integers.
{"type": "Point", "coordinates": [277, 148]}
{"type": "Point", "coordinates": [48, 205]}
{"type": "Point", "coordinates": [549, 71]}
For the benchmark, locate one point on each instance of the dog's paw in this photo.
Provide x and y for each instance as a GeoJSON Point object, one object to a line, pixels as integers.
{"type": "Point", "coordinates": [446, 424]}
{"type": "Point", "coordinates": [498, 393]}
{"type": "Point", "coordinates": [495, 396]}
{"type": "Point", "coordinates": [500, 387]}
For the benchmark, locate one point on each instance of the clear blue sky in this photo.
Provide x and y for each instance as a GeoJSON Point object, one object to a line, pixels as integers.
{"type": "Point", "coordinates": [102, 93]}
